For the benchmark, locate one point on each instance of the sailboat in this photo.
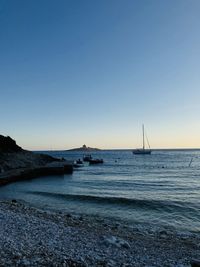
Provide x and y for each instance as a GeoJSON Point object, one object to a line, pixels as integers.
{"type": "Point", "coordinates": [143, 150]}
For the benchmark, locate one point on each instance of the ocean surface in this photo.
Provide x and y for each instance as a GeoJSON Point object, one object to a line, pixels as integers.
{"type": "Point", "coordinates": [161, 189]}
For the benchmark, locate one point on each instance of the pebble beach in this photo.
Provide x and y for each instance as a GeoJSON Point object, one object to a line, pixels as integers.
{"type": "Point", "coordinates": [34, 237]}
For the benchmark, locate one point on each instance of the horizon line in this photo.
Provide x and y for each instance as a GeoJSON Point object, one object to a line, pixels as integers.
{"type": "Point", "coordinates": [105, 149]}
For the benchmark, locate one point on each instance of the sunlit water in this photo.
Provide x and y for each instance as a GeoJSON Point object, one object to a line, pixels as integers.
{"type": "Point", "coordinates": [159, 189]}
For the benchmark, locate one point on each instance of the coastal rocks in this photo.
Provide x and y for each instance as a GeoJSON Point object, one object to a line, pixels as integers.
{"type": "Point", "coordinates": [17, 164]}
{"type": "Point", "coordinates": [13, 157]}
{"type": "Point", "coordinates": [117, 242]}
{"type": "Point", "coordinates": [195, 263]}
{"type": "Point", "coordinates": [7, 144]}
{"type": "Point", "coordinates": [163, 234]}
{"type": "Point", "coordinates": [23, 159]}
{"type": "Point", "coordinates": [47, 261]}
{"type": "Point", "coordinates": [27, 174]}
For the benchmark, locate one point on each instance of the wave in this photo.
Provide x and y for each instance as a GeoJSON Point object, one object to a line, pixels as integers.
{"type": "Point", "coordinates": [169, 206]}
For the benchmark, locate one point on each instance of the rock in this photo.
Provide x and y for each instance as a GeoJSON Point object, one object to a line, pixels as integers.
{"type": "Point", "coordinates": [163, 234]}
{"type": "Point", "coordinates": [7, 144]}
{"type": "Point", "coordinates": [116, 241]}
{"type": "Point", "coordinates": [14, 157]}
{"type": "Point", "coordinates": [195, 263]}
{"type": "Point", "coordinates": [17, 255]}
{"type": "Point", "coordinates": [111, 263]}
{"type": "Point", "coordinates": [24, 262]}
{"type": "Point", "coordinates": [80, 218]}
{"type": "Point", "coordinates": [75, 263]}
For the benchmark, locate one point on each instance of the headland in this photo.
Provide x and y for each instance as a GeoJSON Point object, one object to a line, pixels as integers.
{"type": "Point", "coordinates": [18, 164]}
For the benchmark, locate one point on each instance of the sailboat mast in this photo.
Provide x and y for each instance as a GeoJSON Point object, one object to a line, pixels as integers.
{"type": "Point", "coordinates": [143, 136]}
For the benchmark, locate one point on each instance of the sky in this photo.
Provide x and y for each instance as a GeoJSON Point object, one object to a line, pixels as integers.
{"type": "Point", "coordinates": [76, 72]}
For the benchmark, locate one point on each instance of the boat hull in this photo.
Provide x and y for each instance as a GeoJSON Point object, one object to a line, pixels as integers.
{"type": "Point", "coordinates": [96, 161]}
{"type": "Point", "coordinates": [142, 151]}
{"type": "Point", "coordinates": [87, 158]}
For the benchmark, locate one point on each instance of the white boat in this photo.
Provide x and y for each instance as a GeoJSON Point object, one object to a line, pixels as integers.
{"type": "Point", "coordinates": [143, 150]}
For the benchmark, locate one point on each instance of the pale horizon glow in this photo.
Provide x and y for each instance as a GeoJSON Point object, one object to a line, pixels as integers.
{"type": "Point", "coordinates": [91, 72]}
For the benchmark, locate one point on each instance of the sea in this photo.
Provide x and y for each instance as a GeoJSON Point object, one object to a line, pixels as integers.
{"type": "Point", "coordinates": [161, 189]}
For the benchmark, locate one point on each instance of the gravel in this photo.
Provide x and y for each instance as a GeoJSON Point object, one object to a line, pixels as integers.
{"type": "Point", "coordinates": [34, 237]}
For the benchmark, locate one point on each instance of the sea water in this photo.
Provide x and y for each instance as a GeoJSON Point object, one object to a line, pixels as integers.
{"type": "Point", "coordinates": [161, 189]}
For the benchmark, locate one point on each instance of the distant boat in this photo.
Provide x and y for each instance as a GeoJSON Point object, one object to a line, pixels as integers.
{"type": "Point", "coordinates": [87, 157]}
{"type": "Point", "coordinates": [79, 161]}
{"type": "Point", "coordinates": [143, 150]}
{"type": "Point", "coordinates": [96, 161]}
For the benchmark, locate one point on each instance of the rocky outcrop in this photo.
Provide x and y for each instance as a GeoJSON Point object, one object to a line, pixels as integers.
{"type": "Point", "coordinates": [18, 164]}
{"type": "Point", "coordinates": [23, 159]}
{"type": "Point", "coordinates": [7, 144]}
{"type": "Point", "coordinates": [14, 157]}
{"type": "Point", "coordinates": [31, 173]}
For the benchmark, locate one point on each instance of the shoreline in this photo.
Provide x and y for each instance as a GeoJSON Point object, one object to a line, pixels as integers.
{"type": "Point", "coordinates": [38, 237]}
{"type": "Point", "coordinates": [20, 173]}
{"type": "Point", "coordinates": [17, 164]}
{"type": "Point", "coordinates": [27, 174]}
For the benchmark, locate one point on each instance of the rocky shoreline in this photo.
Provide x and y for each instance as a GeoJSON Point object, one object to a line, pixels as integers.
{"type": "Point", "coordinates": [35, 237]}
{"type": "Point", "coordinates": [31, 173]}
{"type": "Point", "coordinates": [17, 164]}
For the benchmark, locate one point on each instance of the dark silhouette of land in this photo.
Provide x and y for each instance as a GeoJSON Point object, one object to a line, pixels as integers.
{"type": "Point", "coordinates": [18, 164]}
{"type": "Point", "coordinates": [84, 148]}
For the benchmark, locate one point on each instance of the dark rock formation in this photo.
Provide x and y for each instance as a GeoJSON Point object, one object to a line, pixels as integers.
{"type": "Point", "coordinates": [7, 144]}
{"type": "Point", "coordinates": [195, 263]}
{"type": "Point", "coordinates": [27, 174]}
{"type": "Point", "coordinates": [17, 164]}
{"type": "Point", "coordinates": [23, 159]}
{"type": "Point", "coordinates": [13, 157]}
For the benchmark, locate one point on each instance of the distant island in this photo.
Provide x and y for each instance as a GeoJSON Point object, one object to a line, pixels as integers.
{"type": "Point", "coordinates": [84, 148]}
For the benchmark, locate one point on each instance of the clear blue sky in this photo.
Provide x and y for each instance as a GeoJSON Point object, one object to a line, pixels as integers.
{"type": "Point", "coordinates": [92, 71]}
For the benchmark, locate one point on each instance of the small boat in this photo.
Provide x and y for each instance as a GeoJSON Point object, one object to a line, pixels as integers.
{"type": "Point", "coordinates": [96, 161]}
{"type": "Point", "coordinates": [79, 161]}
{"type": "Point", "coordinates": [87, 158]}
{"type": "Point", "coordinates": [143, 150]}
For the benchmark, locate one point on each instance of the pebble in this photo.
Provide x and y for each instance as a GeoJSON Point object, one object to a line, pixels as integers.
{"type": "Point", "coordinates": [195, 263]}
{"type": "Point", "coordinates": [116, 241]}
{"type": "Point", "coordinates": [33, 237]}
{"type": "Point", "coordinates": [163, 234]}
